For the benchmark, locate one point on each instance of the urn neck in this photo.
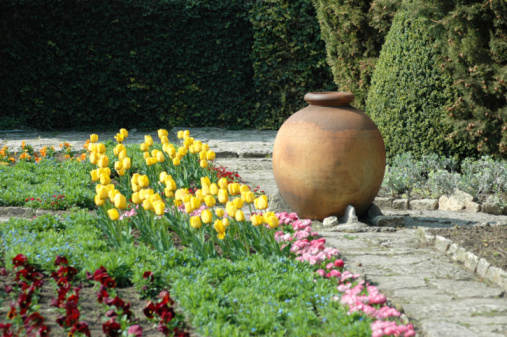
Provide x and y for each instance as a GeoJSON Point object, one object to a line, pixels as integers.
{"type": "Point", "coordinates": [329, 98]}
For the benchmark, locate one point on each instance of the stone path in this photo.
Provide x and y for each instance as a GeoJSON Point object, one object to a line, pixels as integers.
{"type": "Point", "coordinates": [439, 296]}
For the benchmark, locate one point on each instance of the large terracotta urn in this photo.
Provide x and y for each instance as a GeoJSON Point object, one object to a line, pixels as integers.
{"type": "Point", "coordinates": [327, 156]}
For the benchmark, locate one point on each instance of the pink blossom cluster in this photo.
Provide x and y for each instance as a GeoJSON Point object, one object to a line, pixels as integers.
{"type": "Point", "coordinates": [361, 297]}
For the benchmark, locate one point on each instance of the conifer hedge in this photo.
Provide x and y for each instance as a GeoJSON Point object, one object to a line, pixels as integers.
{"type": "Point", "coordinates": [409, 93]}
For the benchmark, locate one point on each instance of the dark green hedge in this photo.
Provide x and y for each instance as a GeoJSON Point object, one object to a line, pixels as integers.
{"type": "Point", "coordinates": [145, 64]}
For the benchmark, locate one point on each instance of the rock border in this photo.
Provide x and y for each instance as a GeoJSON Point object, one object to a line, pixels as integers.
{"type": "Point", "coordinates": [470, 261]}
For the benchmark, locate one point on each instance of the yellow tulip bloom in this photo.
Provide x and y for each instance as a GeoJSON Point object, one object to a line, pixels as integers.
{"type": "Point", "coordinates": [176, 161]}
{"type": "Point", "coordinates": [244, 188]}
{"type": "Point", "coordinates": [162, 133]}
{"type": "Point", "coordinates": [168, 193]}
{"type": "Point", "coordinates": [205, 190]}
{"type": "Point", "coordinates": [205, 181]}
{"type": "Point", "coordinates": [94, 138]}
{"type": "Point", "coordinates": [135, 187]}
{"type": "Point", "coordinates": [231, 209]}
{"type": "Point", "coordinates": [120, 202]}
{"type": "Point", "coordinates": [206, 216]}
{"type": "Point", "coordinates": [134, 178]}
{"type": "Point", "coordinates": [99, 201]}
{"type": "Point", "coordinates": [95, 175]}
{"type": "Point", "coordinates": [186, 134]}
{"type": "Point", "coordinates": [210, 155]}
{"type": "Point", "coordinates": [144, 147]}
{"type": "Point", "coordinates": [195, 222]}
{"type": "Point", "coordinates": [162, 176]}
{"type": "Point", "coordinates": [213, 189]}
{"type": "Point", "coordinates": [273, 221]}
{"type": "Point", "coordinates": [256, 219]}
{"type": "Point", "coordinates": [147, 205]}
{"type": "Point", "coordinates": [148, 140]}
{"type": "Point", "coordinates": [210, 200]}
{"type": "Point", "coordinates": [121, 172]}
{"type": "Point", "coordinates": [155, 197]}
{"type": "Point", "coordinates": [103, 192]}
{"type": "Point", "coordinates": [160, 157]}
{"type": "Point", "coordinates": [105, 179]}
{"type": "Point", "coordinates": [126, 163]}
{"type": "Point", "coordinates": [143, 181]}
{"type": "Point", "coordinates": [222, 183]}
{"type": "Point", "coordinates": [267, 215]}
{"type": "Point", "coordinates": [261, 202]}
{"type": "Point", "coordinates": [103, 161]}
{"type": "Point", "coordinates": [101, 148]}
{"type": "Point", "coordinates": [233, 188]}
{"type": "Point", "coordinates": [238, 202]}
{"type": "Point", "coordinates": [202, 155]}
{"type": "Point", "coordinates": [164, 140]}
{"type": "Point", "coordinates": [226, 222]}
{"type": "Point", "coordinates": [220, 228]}
{"type": "Point", "coordinates": [182, 151]}
{"type": "Point", "coordinates": [203, 163]}
{"type": "Point", "coordinates": [124, 133]}
{"type": "Point", "coordinates": [223, 197]}
{"type": "Point", "coordinates": [189, 207]}
{"type": "Point", "coordinates": [239, 216]}
{"type": "Point", "coordinates": [219, 212]}
{"type": "Point", "coordinates": [113, 214]}
{"type": "Point", "coordinates": [118, 165]}
{"type": "Point", "coordinates": [94, 158]}
{"type": "Point", "coordinates": [122, 155]}
{"type": "Point", "coordinates": [119, 137]}
{"type": "Point", "coordinates": [180, 134]}
{"type": "Point", "coordinates": [135, 198]}
{"type": "Point", "coordinates": [159, 207]}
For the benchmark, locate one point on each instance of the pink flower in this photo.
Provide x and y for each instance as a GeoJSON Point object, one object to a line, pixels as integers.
{"type": "Point", "coordinates": [334, 273]}
{"type": "Point", "coordinates": [321, 272]}
{"type": "Point", "coordinates": [135, 331]}
{"type": "Point", "coordinates": [339, 263]}
{"type": "Point", "coordinates": [329, 265]}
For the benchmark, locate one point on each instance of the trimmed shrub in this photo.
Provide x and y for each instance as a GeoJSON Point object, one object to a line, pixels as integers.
{"type": "Point", "coordinates": [409, 93]}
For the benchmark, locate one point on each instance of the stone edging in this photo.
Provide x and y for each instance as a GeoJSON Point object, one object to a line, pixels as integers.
{"type": "Point", "coordinates": [471, 262]}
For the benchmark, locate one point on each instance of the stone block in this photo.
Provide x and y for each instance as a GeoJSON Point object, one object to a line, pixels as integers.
{"type": "Point", "coordinates": [491, 209]}
{"type": "Point", "coordinates": [502, 279]}
{"type": "Point", "coordinates": [330, 222]}
{"type": "Point", "coordinates": [401, 204]}
{"type": "Point", "coordinates": [472, 207]}
{"type": "Point", "coordinates": [442, 244]}
{"type": "Point", "coordinates": [388, 221]}
{"type": "Point", "coordinates": [423, 204]}
{"type": "Point", "coordinates": [349, 216]}
{"type": "Point", "coordinates": [493, 274]}
{"type": "Point", "coordinates": [460, 255]}
{"type": "Point", "coordinates": [277, 204]}
{"type": "Point", "coordinates": [482, 267]}
{"type": "Point", "coordinates": [457, 201]}
{"type": "Point", "coordinates": [471, 261]}
{"type": "Point", "coordinates": [383, 202]}
{"type": "Point", "coordinates": [453, 249]}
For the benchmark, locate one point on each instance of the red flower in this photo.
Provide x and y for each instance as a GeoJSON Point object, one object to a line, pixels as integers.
{"type": "Point", "coordinates": [101, 295]}
{"type": "Point", "coordinates": [44, 331]}
{"type": "Point", "coordinates": [166, 315]}
{"type": "Point", "coordinates": [34, 319]}
{"type": "Point", "coordinates": [8, 289]}
{"type": "Point", "coordinates": [117, 302]}
{"type": "Point", "coordinates": [163, 329]}
{"type": "Point", "coordinates": [149, 310]}
{"type": "Point", "coordinates": [3, 271]}
{"type": "Point", "coordinates": [148, 274]}
{"type": "Point", "coordinates": [109, 283]}
{"type": "Point", "coordinates": [136, 330]}
{"type": "Point", "coordinates": [81, 327]}
{"type": "Point", "coordinates": [72, 317]}
{"type": "Point", "coordinates": [19, 260]}
{"type": "Point", "coordinates": [12, 312]}
{"type": "Point", "coordinates": [166, 298]}
{"type": "Point", "coordinates": [178, 333]}
{"type": "Point", "coordinates": [60, 259]}
{"type": "Point", "coordinates": [111, 328]}
{"type": "Point", "coordinates": [24, 302]}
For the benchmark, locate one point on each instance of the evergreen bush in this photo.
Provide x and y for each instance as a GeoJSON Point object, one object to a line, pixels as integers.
{"type": "Point", "coordinates": [409, 93]}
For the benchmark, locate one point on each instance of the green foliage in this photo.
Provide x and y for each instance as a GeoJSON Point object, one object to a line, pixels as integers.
{"type": "Point", "coordinates": [288, 59]}
{"type": "Point", "coordinates": [474, 45]}
{"type": "Point", "coordinates": [354, 32]}
{"type": "Point", "coordinates": [408, 95]}
{"type": "Point", "coordinates": [51, 185]}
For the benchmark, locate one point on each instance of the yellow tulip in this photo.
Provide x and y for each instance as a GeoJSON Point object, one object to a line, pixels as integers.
{"type": "Point", "coordinates": [126, 163]}
{"type": "Point", "coordinates": [94, 138]}
{"type": "Point", "coordinates": [168, 193]}
{"type": "Point", "coordinates": [159, 207]}
{"type": "Point", "coordinates": [99, 201]}
{"type": "Point", "coordinates": [94, 158]}
{"type": "Point", "coordinates": [239, 216]}
{"type": "Point", "coordinates": [118, 148]}
{"type": "Point", "coordinates": [256, 219]}
{"type": "Point", "coordinates": [199, 196]}
{"type": "Point", "coordinates": [205, 147]}
{"type": "Point", "coordinates": [135, 198]}
{"type": "Point", "coordinates": [162, 176]}
{"type": "Point", "coordinates": [110, 187]}
{"type": "Point", "coordinates": [205, 181]}
{"type": "Point", "coordinates": [238, 202]}
{"type": "Point", "coordinates": [143, 181]}
{"type": "Point", "coordinates": [209, 200]}
{"type": "Point", "coordinates": [147, 205]}
{"type": "Point", "coordinates": [122, 155]}
{"type": "Point", "coordinates": [180, 193]}
{"type": "Point", "coordinates": [195, 222]}
{"type": "Point", "coordinates": [160, 157]}
{"type": "Point", "coordinates": [261, 202]}
{"type": "Point", "coordinates": [134, 178]}
{"type": "Point", "coordinates": [144, 147]}
{"type": "Point", "coordinates": [182, 151]}
{"type": "Point", "coordinates": [104, 179]}
{"type": "Point", "coordinates": [226, 222]}
{"type": "Point", "coordinates": [170, 184]}
{"type": "Point", "coordinates": [233, 188]}
{"type": "Point", "coordinates": [203, 163]}
{"type": "Point", "coordinates": [103, 192]}
{"type": "Point", "coordinates": [219, 212]}
{"type": "Point", "coordinates": [177, 203]}
{"type": "Point", "coordinates": [113, 214]}
{"type": "Point", "coordinates": [223, 197]}
{"type": "Point", "coordinates": [205, 190]}
{"type": "Point", "coordinates": [105, 170]}
{"type": "Point", "coordinates": [220, 228]}
{"type": "Point", "coordinates": [118, 165]}
{"type": "Point", "coordinates": [101, 148]}
{"type": "Point", "coordinates": [244, 188]}
{"type": "Point", "coordinates": [121, 172]}
{"type": "Point", "coordinates": [162, 133]}
{"type": "Point", "coordinates": [165, 147]}
{"type": "Point", "coordinates": [135, 187]}
{"type": "Point", "coordinates": [213, 189]}
{"type": "Point", "coordinates": [188, 141]}
{"type": "Point", "coordinates": [103, 161]}
{"type": "Point", "coordinates": [146, 193]}
{"type": "Point", "coordinates": [164, 140]}
{"type": "Point", "coordinates": [188, 207]}
{"type": "Point", "coordinates": [172, 152]}
{"type": "Point", "coordinates": [120, 202]}
{"type": "Point", "coordinates": [92, 147]}
{"type": "Point", "coordinates": [155, 197]}
{"type": "Point", "coordinates": [267, 215]}
{"type": "Point", "coordinates": [210, 155]}
{"type": "Point", "coordinates": [95, 175]}
{"type": "Point", "coordinates": [148, 140]}
{"type": "Point", "coordinates": [119, 137]}
{"type": "Point", "coordinates": [231, 209]}
{"type": "Point", "coordinates": [112, 194]}
{"type": "Point", "coordinates": [124, 133]}
{"type": "Point", "coordinates": [206, 216]}
{"type": "Point", "coordinates": [186, 134]}
{"type": "Point", "coordinates": [202, 155]}
{"type": "Point", "coordinates": [180, 134]}
{"type": "Point", "coordinates": [273, 221]}
{"type": "Point", "coordinates": [176, 161]}
{"type": "Point", "coordinates": [222, 183]}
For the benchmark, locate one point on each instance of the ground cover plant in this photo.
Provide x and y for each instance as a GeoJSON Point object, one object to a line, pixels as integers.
{"type": "Point", "coordinates": [233, 267]}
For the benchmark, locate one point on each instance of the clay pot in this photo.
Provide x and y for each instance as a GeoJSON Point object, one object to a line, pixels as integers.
{"type": "Point", "coordinates": [327, 156]}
